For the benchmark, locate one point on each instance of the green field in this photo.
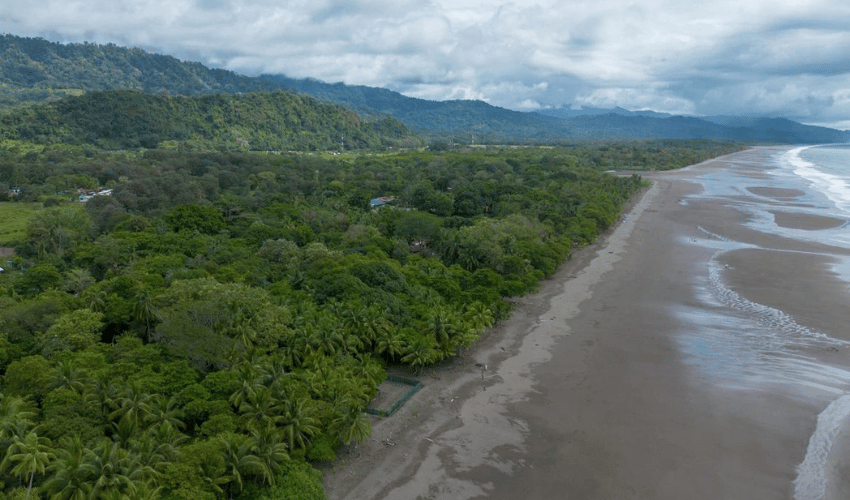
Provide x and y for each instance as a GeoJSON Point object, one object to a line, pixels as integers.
{"type": "Point", "coordinates": [14, 218]}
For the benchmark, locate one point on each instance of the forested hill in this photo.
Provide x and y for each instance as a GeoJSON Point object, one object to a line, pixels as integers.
{"type": "Point", "coordinates": [33, 70]}
{"type": "Point", "coordinates": [36, 71]}
{"type": "Point", "coordinates": [257, 121]}
{"type": "Point", "coordinates": [463, 120]}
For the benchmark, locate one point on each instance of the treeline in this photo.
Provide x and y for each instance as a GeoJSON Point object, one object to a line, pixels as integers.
{"type": "Point", "coordinates": [652, 154]}
{"type": "Point", "coordinates": [221, 321]}
{"type": "Point", "coordinates": [260, 121]}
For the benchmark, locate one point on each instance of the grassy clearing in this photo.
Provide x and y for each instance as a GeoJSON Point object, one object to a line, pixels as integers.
{"type": "Point", "coordinates": [14, 219]}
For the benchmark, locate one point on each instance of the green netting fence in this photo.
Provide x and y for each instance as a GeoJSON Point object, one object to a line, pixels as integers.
{"type": "Point", "coordinates": [392, 386]}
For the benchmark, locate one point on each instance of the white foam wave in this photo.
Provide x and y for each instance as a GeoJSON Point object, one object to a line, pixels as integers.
{"type": "Point", "coordinates": [713, 235]}
{"type": "Point", "coordinates": [834, 187]}
{"type": "Point", "coordinates": [813, 475]}
{"type": "Point", "coordinates": [784, 329]}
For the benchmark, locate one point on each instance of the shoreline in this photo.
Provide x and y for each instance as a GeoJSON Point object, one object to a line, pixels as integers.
{"type": "Point", "coordinates": [694, 365]}
{"type": "Point", "coordinates": [508, 349]}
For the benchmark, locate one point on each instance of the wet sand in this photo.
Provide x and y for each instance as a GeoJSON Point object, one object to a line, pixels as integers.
{"type": "Point", "coordinates": [641, 370]}
{"type": "Point", "coordinates": [805, 221]}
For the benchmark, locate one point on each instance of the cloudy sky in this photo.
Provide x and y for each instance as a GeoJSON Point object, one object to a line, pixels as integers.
{"type": "Point", "coordinates": [767, 57]}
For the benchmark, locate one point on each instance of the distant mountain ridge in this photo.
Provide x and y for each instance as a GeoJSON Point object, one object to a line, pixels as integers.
{"type": "Point", "coordinates": [36, 71]}
{"type": "Point", "coordinates": [565, 112]}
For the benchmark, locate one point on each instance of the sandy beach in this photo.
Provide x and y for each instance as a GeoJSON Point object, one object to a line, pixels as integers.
{"type": "Point", "coordinates": [686, 354]}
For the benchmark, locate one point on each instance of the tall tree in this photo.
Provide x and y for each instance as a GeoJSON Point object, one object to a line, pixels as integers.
{"type": "Point", "coordinates": [16, 417]}
{"type": "Point", "coordinates": [268, 445]}
{"type": "Point", "coordinates": [351, 425]}
{"type": "Point", "coordinates": [144, 312]}
{"type": "Point", "coordinates": [241, 460]}
{"type": "Point", "coordinates": [55, 230]}
{"type": "Point", "coordinates": [27, 456]}
{"type": "Point", "coordinates": [114, 470]}
{"type": "Point", "coordinates": [68, 478]}
{"type": "Point", "coordinates": [299, 423]}
{"type": "Point", "coordinates": [134, 403]}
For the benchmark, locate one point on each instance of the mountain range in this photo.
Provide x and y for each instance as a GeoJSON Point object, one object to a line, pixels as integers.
{"type": "Point", "coordinates": [34, 70]}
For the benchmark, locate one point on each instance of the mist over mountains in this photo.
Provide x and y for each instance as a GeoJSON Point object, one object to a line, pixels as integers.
{"type": "Point", "coordinates": [35, 71]}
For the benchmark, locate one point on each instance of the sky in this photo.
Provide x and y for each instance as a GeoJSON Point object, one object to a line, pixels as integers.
{"type": "Point", "coordinates": [755, 57]}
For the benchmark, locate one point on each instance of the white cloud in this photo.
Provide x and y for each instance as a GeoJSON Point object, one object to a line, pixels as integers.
{"type": "Point", "coordinates": [636, 99]}
{"type": "Point", "coordinates": [761, 56]}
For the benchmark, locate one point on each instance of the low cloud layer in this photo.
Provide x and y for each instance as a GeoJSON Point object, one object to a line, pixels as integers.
{"type": "Point", "coordinates": [777, 58]}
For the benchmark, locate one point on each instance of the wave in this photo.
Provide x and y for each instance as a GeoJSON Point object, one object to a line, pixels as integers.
{"type": "Point", "coordinates": [779, 338]}
{"type": "Point", "coordinates": [786, 330]}
{"type": "Point", "coordinates": [834, 187]}
{"type": "Point", "coordinates": [813, 475]}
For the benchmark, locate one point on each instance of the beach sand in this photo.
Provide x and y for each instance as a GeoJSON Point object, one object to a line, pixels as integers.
{"type": "Point", "coordinates": [610, 383]}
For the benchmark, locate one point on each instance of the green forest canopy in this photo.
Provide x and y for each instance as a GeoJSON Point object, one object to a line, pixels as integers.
{"type": "Point", "coordinates": [278, 121]}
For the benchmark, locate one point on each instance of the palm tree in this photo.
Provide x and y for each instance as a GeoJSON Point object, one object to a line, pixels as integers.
{"type": "Point", "coordinates": [369, 370]}
{"type": "Point", "coordinates": [276, 372]}
{"type": "Point", "coordinates": [68, 479]}
{"type": "Point", "coordinates": [351, 425]}
{"type": "Point", "coordinates": [134, 403]}
{"type": "Point", "coordinates": [352, 343]}
{"type": "Point", "coordinates": [147, 491]}
{"type": "Point", "coordinates": [469, 258]}
{"type": "Point", "coordinates": [125, 430]}
{"type": "Point", "coordinates": [95, 300]}
{"type": "Point", "coordinates": [267, 444]}
{"type": "Point", "coordinates": [157, 449]}
{"type": "Point", "coordinates": [143, 491]}
{"type": "Point", "coordinates": [375, 323]}
{"type": "Point", "coordinates": [144, 311]}
{"type": "Point", "coordinates": [102, 393]}
{"type": "Point", "coordinates": [291, 353]}
{"type": "Point", "coordinates": [478, 315]}
{"type": "Point", "coordinates": [240, 460]}
{"type": "Point", "coordinates": [449, 245]}
{"type": "Point", "coordinates": [113, 470]}
{"type": "Point", "coordinates": [324, 379]}
{"type": "Point", "coordinates": [106, 471]}
{"type": "Point", "coordinates": [165, 412]}
{"type": "Point", "coordinates": [299, 424]}
{"type": "Point", "coordinates": [16, 417]}
{"type": "Point", "coordinates": [351, 317]}
{"type": "Point", "coordinates": [421, 350]}
{"type": "Point", "coordinates": [28, 456]}
{"type": "Point", "coordinates": [261, 410]}
{"type": "Point", "coordinates": [391, 343]}
{"type": "Point", "coordinates": [66, 375]}
{"type": "Point", "coordinates": [325, 338]}
{"type": "Point", "coordinates": [441, 325]}
{"type": "Point", "coordinates": [250, 381]}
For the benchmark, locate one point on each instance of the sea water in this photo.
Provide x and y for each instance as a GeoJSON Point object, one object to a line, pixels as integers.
{"type": "Point", "coordinates": [827, 169]}
{"type": "Point", "coordinates": [752, 346]}
{"type": "Point", "coordinates": [823, 173]}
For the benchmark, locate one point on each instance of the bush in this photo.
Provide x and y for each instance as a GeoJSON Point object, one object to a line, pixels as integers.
{"type": "Point", "coordinates": [297, 481]}
{"type": "Point", "coordinates": [322, 449]}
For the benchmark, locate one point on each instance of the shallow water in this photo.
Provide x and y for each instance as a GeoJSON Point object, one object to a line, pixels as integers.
{"type": "Point", "coordinates": [740, 345]}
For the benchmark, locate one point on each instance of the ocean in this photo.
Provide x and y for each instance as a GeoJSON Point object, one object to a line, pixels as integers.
{"type": "Point", "coordinates": [793, 199]}
{"type": "Point", "coordinates": [827, 170]}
